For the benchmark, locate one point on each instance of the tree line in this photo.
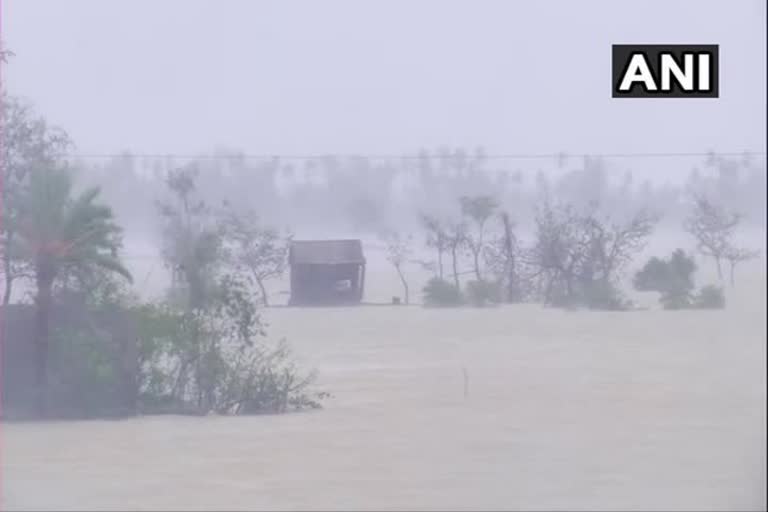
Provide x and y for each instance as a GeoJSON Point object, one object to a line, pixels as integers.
{"type": "Point", "coordinates": [203, 347]}
{"type": "Point", "coordinates": [577, 257]}
{"type": "Point", "coordinates": [367, 194]}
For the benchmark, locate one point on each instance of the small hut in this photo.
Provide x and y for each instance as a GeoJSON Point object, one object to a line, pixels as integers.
{"type": "Point", "coordinates": [326, 272]}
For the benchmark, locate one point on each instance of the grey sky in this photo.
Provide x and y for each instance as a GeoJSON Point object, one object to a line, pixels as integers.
{"type": "Point", "coordinates": [377, 76]}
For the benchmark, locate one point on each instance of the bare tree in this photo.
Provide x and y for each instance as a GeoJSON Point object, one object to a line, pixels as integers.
{"type": "Point", "coordinates": [557, 250]}
{"type": "Point", "coordinates": [612, 244]}
{"type": "Point", "coordinates": [581, 254]}
{"type": "Point", "coordinates": [478, 210]}
{"type": "Point", "coordinates": [502, 256]}
{"type": "Point", "coordinates": [399, 250]}
{"type": "Point", "coordinates": [262, 251]}
{"type": "Point", "coordinates": [734, 256]}
{"type": "Point", "coordinates": [713, 228]}
{"type": "Point", "coordinates": [456, 236]}
{"type": "Point", "coordinates": [437, 239]}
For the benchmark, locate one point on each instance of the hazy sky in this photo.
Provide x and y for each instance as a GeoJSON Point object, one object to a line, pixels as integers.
{"type": "Point", "coordinates": [377, 76]}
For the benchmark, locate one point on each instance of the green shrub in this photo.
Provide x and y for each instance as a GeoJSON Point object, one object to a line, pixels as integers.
{"type": "Point", "coordinates": [672, 275]}
{"type": "Point", "coordinates": [652, 277]}
{"type": "Point", "coordinates": [439, 292]}
{"type": "Point", "coordinates": [483, 293]}
{"type": "Point", "coordinates": [672, 278]}
{"type": "Point", "coordinates": [230, 375]}
{"type": "Point", "coordinates": [709, 297]}
{"type": "Point", "coordinates": [86, 378]}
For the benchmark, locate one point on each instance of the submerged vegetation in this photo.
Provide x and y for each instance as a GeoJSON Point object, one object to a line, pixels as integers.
{"type": "Point", "coordinates": [439, 292]}
{"type": "Point", "coordinates": [203, 346]}
{"type": "Point", "coordinates": [99, 350]}
{"type": "Point", "coordinates": [673, 279]}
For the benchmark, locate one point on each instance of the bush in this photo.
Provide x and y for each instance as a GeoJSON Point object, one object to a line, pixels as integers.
{"type": "Point", "coordinates": [439, 292]}
{"type": "Point", "coordinates": [599, 295]}
{"type": "Point", "coordinates": [268, 381]}
{"type": "Point", "coordinates": [674, 275]}
{"type": "Point", "coordinates": [709, 297]}
{"type": "Point", "coordinates": [483, 293]}
{"type": "Point", "coordinates": [86, 378]}
{"type": "Point", "coordinates": [675, 299]}
{"type": "Point", "coordinates": [195, 364]}
{"type": "Point", "coordinates": [654, 276]}
{"type": "Point", "coordinates": [673, 278]}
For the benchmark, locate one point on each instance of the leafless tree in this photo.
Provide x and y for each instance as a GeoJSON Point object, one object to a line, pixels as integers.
{"type": "Point", "coordinates": [478, 210]}
{"type": "Point", "coordinates": [558, 248]}
{"type": "Point", "coordinates": [580, 254]}
{"type": "Point", "coordinates": [734, 256]}
{"type": "Point", "coordinates": [713, 228]}
{"type": "Point", "coordinates": [399, 250]}
{"type": "Point", "coordinates": [456, 236]}
{"type": "Point", "coordinates": [612, 245]}
{"type": "Point", "coordinates": [502, 258]}
{"type": "Point", "coordinates": [437, 239]}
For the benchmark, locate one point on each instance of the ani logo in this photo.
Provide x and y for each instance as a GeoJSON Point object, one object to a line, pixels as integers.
{"type": "Point", "coordinates": [665, 71]}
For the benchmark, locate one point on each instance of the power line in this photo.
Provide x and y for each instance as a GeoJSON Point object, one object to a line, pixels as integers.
{"type": "Point", "coordinates": [499, 156]}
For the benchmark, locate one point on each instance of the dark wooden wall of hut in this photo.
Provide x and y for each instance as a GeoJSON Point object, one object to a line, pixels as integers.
{"type": "Point", "coordinates": [315, 283]}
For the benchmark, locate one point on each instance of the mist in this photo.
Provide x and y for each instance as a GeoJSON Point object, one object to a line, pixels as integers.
{"type": "Point", "coordinates": [341, 77]}
{"type": "Point", "coordinates": [341, 255]}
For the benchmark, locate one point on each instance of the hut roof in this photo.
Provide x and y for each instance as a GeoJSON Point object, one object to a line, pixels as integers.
{"type": "Point", "coordinates": [326, 252]}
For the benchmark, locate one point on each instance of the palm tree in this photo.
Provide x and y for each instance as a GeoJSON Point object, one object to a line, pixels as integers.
{"type": "Point", "coordinates": [61, 233]}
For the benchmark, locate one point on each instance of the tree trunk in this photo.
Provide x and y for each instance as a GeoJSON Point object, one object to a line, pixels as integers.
{"type": "Point", "coordinates": [569, 287]}
{"type": "Point", "coordinates": [479, 249]}
{"type": "Point", "coordinates": [8, 288]}
{"type": "Point", "coordinates": [733, 272]}
{"type": "Point", "coordinates": [440, 264]}
{"type": "Point", "coordinates": [550, 280]}
{"type": "Point", "coordinates": [405, 284]}
{"type": "Point", "coordinates": [455, 269]}
{"type": "Point", "coordinates": [513, 295]}
{"type": "Point", "coordinates": [42, 337]}
{"type": "Point", "coordinates": [8, 270]}
{"type": "Point", "coordinates": [719, 268]}
{"type": "Point", "coordinates": [264, 298]}
{"type": "Point", "coordinates": [511, 270]}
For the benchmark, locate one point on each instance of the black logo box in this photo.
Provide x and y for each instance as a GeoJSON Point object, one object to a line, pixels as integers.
{"type": "Point", "coordinates": [622, 53]}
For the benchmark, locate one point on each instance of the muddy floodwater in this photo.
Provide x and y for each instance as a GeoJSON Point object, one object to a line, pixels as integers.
{"type": "Point", "coordinates": [517, 407]}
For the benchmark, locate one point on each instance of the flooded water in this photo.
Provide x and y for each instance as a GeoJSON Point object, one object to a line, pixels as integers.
{"type": "Point", "coordinates": [517, 407]}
